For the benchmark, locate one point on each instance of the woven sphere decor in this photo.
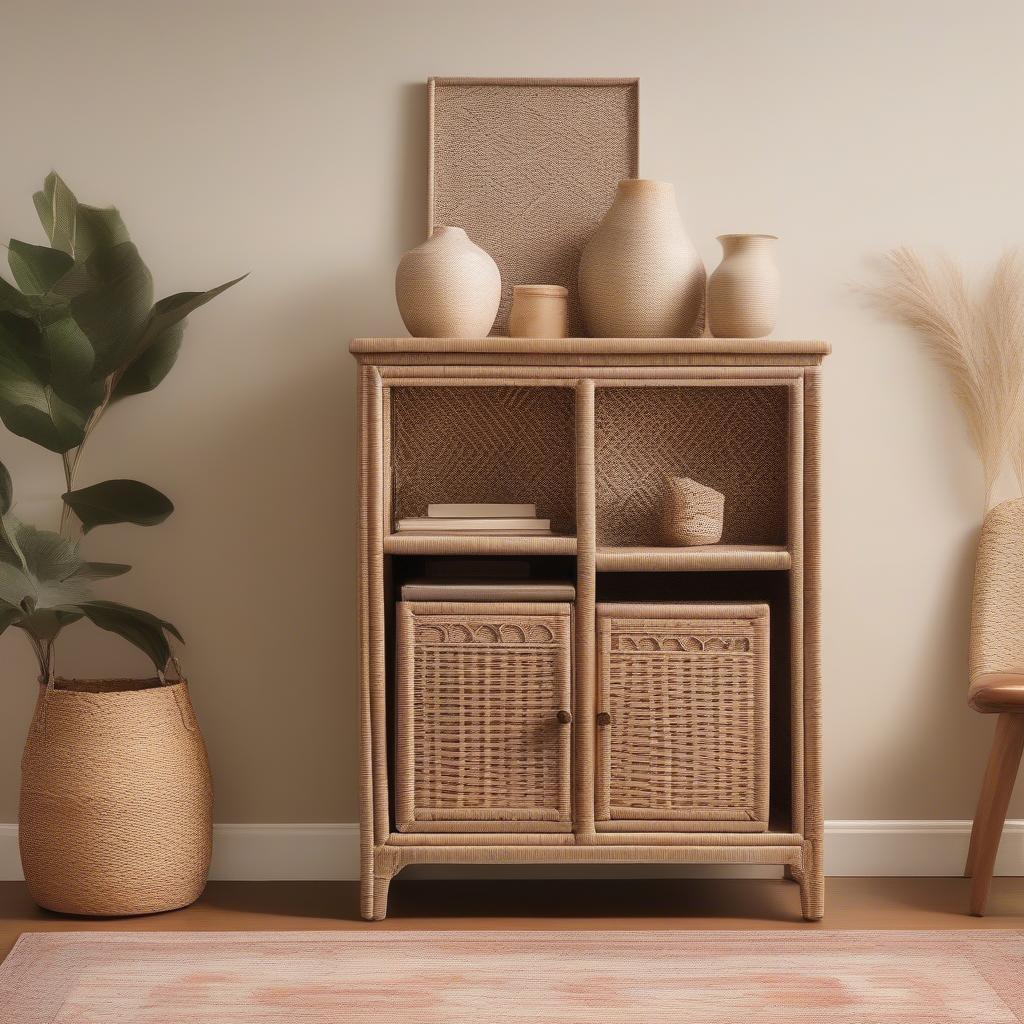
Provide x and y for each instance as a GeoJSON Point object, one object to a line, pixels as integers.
{"type": "Point", "coordinates": [116, 800]}
{"type": "Point", "coordinates": [694, 514]}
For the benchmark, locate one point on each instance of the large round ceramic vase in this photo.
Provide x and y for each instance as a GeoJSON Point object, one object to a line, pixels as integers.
{"type": "Point", "coordinates": [640, 276]}
{"type": "Point", "coordinates": [116, 802]}
{"type": "Point", "coordinates": [743, 292]}
{"type": "Point", "coordinates": [448, 287]}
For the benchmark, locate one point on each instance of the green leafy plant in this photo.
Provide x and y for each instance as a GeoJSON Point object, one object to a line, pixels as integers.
{"type": "Point", "coordinates": [79, 331]}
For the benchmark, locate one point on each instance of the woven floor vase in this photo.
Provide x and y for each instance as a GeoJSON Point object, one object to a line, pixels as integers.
{"type": "Point", "coordinates": [116, 800]}
{"type": "Point", "coordinates": [448, 287]}
{"type": "Point", "coordinates": [640, 276]}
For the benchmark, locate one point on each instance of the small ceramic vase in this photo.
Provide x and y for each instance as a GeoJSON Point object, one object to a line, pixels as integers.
{"type": "Point", "coordinates": [743, 293]}
{"type": "Point", "coordinates": [694, 514]}
{"type": "Point", "coordinates": [539, 311]}
{"type": "Point", "coordinates": [640, 276]}
{"type": "Point", "coordinates": [448, 287]}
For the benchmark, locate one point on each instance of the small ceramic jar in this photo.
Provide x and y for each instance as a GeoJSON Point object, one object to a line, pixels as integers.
{"type": "Point", "coordinates": [539, 311]}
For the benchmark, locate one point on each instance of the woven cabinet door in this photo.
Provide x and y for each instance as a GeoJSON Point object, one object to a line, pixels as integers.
{"type": "Point", "coordinates": [683, 730]}
{"type": "Point", "coordinates": [483, 717]}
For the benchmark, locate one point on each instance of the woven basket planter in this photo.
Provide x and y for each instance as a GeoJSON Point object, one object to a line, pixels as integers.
{"type": "Point", "coordinates": [116, 800]}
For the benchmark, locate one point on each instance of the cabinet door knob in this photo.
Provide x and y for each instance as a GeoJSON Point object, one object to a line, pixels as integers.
{"type": "Point", "coordinates": [604, 718]}
{"type": "Point", "coordinates": [564, 717]}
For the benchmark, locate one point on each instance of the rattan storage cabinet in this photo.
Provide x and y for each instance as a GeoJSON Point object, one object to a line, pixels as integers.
{"type": "Point", "coordinates": [536, 733]}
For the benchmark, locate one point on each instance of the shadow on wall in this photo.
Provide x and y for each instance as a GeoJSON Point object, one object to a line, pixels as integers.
{"type": "Point", "coordinates": [411, 225]}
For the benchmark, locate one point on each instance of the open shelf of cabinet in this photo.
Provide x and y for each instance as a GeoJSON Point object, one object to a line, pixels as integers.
{"type": "Point", "coordinates": [586, 429]}
{"type": "Point", "coordinates": [720, 557]}
{"type": "Point", "coordinates": [482, 544]}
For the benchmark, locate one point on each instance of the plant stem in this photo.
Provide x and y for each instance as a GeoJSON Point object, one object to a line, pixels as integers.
{"type": "Point", "coordinates": [43, 657]}
{"type": "Point", "coordinates": [71, 461]}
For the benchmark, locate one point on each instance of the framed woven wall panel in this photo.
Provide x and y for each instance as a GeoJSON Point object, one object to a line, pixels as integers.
{"type": "Point", "coordinates": [528, 166]}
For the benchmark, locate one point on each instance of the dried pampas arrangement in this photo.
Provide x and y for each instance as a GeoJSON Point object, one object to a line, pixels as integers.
{"type": "Point", "coordinates": [978, 339]}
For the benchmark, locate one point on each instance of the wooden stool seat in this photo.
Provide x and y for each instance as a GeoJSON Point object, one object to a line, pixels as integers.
{"type": "Point", "coordinates": [996, 692]}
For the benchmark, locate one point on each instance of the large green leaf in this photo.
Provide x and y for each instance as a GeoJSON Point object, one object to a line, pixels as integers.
{"type": "Point", "coordinates": [58, 427]}
{"type": "Point", "coordinates": [51, 581]}
{"type": "Point", "coordinates": [12, 301]}
{"type": "Point", "coordinates": [36, 268]}
{"type": "Point", "coordinates": [172, 310]}
{"type": "Point", "coordinates": [57, 208]}
{"type": "Point", "coordinates": [46, 623]}
{"type": "Point", "coordinates": [113, 311]}
{"type": "Point", "coordinates": [145, 631]}
{"type": "Point", "coordinates": [51, 564]}
{"type": "Point", "coordinates": [99, 571]}
{"type": "Point", "coordinates": [6, 490]}
{"type": "Point", "coordinates": [16, 587]}
{"type": "Point", "coordinates": [119, 501]}
{"type": "Point", "coordinates": [97, 228]}
{"type": "Point", "coordinates": [76, 228]}
{"type": "Point", "coordinates": [71, 358]}
{"type": "Point", "coordinates": [150, 368]}
{"type": "Point", "coordinates": [29, 405]}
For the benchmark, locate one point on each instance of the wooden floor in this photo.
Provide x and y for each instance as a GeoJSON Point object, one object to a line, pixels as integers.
{"type": "Point", "coordinates": [617, 904]}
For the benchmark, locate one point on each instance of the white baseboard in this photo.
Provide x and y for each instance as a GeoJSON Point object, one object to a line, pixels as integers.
{"type": "Point", "coordinates": [330, 852]}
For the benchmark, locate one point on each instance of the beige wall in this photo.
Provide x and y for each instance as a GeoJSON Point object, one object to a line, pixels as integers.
{"type": "Point", "coordinates": [287, 139]}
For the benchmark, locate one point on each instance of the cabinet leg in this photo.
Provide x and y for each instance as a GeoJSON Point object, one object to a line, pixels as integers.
{"type": "Point", "coordinates": [381, 885]}
{"type": "Point", "coordinates": [812, 897]}
{"type": "Point", "coordinates": [366, 895]}
{"type": "Point", "coordinates": [810, 877]}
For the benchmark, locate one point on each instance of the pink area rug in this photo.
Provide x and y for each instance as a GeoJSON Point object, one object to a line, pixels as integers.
{"type": "Point", "coordinates": [451, 977]}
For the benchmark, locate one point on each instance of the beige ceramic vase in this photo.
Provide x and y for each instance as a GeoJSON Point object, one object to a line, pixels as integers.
{"type": "Point", "coordinates": [743, 293]}
{"type": "Point", "coordinates": [539, 311]}
{"type": "Point", "coordinates": [640, 276]}
{"type": "Point", "coordinates": [448, 287]}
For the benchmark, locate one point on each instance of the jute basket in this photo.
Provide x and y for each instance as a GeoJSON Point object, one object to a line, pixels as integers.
{"type": "Point", "coordinates": [116, 800]}
{"type": "Point", "coordinates": [694, 514]}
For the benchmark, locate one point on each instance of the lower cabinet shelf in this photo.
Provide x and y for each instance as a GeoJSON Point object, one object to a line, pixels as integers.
{"type": "Point", "coordinates": [782, 849]}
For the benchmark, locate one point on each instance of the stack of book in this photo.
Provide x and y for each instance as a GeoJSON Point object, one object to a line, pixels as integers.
{"type": "Point", "coordinates": [489, 519]}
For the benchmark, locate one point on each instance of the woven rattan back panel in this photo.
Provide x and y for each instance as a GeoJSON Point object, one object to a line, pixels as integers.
{"type": "Point", "coordinates": [733, 439]}
{"type": "Point", "coordinates": [480, 742]}
{"type": "Point", "coordinates": [997, 627]}
{"type": "Point", "coordinates": [529, 168]}
{"type": "Point", "coordinates": [684, 732]}
{"type": "Point", "coordinates": [486, 444]}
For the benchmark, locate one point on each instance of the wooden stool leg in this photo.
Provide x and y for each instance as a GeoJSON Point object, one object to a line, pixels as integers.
{"type": "Point", "coordinates": [1000, 776]}
{"type": "Point", "coordinates": [981, 813]}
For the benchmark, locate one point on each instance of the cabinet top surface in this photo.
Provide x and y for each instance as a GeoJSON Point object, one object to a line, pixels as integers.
{"type": "Point", "coordinates": [448, 347]}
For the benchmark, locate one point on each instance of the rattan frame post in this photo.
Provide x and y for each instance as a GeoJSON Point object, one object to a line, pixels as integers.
{"type": "Point", "coordinates": [793, 839]}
